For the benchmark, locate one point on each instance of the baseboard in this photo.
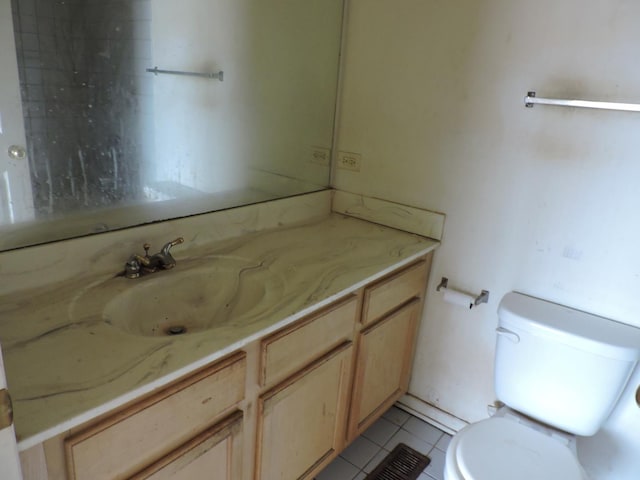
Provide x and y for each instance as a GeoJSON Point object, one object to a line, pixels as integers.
{"type": "Point", "coordinates": [435, 416]}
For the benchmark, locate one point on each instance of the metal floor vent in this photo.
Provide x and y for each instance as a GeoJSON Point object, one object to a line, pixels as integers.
{"type": "Point", "coordinates": [403, 463]}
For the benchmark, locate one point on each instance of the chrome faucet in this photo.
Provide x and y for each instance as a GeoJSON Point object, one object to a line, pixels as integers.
{"type": "Point", "coordinates": [138, 265]}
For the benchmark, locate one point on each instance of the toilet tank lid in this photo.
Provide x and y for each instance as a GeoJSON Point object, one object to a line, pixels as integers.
{"type": "Point", "coordinates": [581, 330]}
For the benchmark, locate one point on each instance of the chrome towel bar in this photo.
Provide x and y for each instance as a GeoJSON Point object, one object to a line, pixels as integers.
{"type": "Point", "coordinates": [219, 75]}
{"type": "Point", "coordinates": [530, 100]}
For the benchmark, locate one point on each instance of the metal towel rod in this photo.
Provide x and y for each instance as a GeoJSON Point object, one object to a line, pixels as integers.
{"type": "Point", "coordinates": [530, 100]}
{"type": "Point", "coordinates": [219, 75]}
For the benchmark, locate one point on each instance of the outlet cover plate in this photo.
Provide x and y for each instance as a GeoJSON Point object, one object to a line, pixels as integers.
{"type": "Point", "coordinates": [320, 156]}
{"type": "Point", "coordinates": [349, 161]}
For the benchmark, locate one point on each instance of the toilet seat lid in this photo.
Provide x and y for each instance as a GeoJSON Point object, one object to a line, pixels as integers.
{"type": "Point", "coordinates": [501, 449]}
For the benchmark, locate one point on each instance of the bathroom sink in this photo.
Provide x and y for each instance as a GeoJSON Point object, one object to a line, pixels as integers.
{"type": "Point", "coordinates": [217, 291]}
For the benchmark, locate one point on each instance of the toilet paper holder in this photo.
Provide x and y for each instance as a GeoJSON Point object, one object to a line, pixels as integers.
{"type": "Point", "coordinates": [482, 298]}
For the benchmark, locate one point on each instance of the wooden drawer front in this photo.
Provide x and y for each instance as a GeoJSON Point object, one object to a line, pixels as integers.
{"type": "Point", "coordinates": [214, 454]}
{"type": "Point", "coordinates": [393, 291]}
{"type": "Point", "coordinates": [127, 441]}
{"type": "Point", "coordinates": [383, 366]}
{"type": "Point", "coordinates": [293, 347]}
{"type": "Point", "coordinates": [302, 421]}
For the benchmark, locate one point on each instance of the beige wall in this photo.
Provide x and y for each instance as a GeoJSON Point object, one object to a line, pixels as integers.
{"type": "Point", "coordinates": [542, 200]}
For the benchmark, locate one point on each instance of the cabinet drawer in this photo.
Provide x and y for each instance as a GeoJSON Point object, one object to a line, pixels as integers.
{"type": "Point", "coordinates": [290, 349]}
{"type": "Point", "coordinates": [393, 291]}
{"type": "Point", "coordinates": [215, 453]}
{"type": "Point", "coordinates": [127, 441]}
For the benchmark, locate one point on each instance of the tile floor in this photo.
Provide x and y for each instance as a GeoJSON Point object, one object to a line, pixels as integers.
{"type": "Point", "coordinates": [395, 426]}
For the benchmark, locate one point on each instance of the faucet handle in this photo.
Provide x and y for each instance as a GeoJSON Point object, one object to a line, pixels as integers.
{"type": "Point", "coordinates": [146, 247]}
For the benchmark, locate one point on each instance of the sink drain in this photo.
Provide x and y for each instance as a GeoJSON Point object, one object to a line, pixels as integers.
{"type": "Point", "coordinates": [176, 330]}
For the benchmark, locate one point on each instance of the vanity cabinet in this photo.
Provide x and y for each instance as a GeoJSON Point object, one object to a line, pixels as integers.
{"type": "Point", "coordinates": [280, 409]}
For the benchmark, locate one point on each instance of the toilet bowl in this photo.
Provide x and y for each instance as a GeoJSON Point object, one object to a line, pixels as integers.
{"type": "Point", "coordinates": [509, 446]}
{"type": "Point", "coordinates": [559, 372]}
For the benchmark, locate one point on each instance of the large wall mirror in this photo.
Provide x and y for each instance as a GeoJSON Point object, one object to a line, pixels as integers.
{"type": "Point", "coordinates": [116, 113]}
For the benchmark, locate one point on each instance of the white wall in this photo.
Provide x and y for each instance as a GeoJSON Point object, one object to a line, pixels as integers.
{"type": "Point", "coordinates": [543, 201]}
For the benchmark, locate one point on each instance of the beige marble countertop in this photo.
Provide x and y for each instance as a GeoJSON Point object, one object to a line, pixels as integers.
{"type": "Point", "coordinates": [67, 361]}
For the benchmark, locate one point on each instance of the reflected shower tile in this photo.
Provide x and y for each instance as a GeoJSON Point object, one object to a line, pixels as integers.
{"type": "Point", "coordinates": [24, 7]}
{"type": "Point", "coordinates": [44, 8]}
{"type": "Point", "coordinates": [47, 43]}
{"type": "Point", "coordinates": [27, 24]}
{"type": "Point", "coordinates": [33, 76]}
{"type": "Point", "coordinates": [29, 41]}
{"type": "Point", "coordinates": [49, 26]}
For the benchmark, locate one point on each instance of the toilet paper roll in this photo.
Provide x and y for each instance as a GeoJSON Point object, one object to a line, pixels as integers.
{"type": "Point", "coordinates": [455, 297]}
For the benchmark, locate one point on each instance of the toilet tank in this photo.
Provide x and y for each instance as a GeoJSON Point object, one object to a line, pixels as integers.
{"type": "Point", "coordinates": [561, 366]}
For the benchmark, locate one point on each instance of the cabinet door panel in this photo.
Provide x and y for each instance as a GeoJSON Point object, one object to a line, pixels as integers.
{"type": "Point", "coordinates": [383, 366]}
{"type": "Point", "coordinates": [215, 454]}
{"type": "Point", "coordinates": [314, 400]}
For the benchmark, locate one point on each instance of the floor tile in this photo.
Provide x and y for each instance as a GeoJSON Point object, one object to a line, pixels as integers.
{"type": "Point", "coordinates": [443, 443]}
{"type": "Point", "coordinates": [360, 452]}
{"type": "Point", "coordinates": [376, 460]}
{"type": "Point", "coordinates": [423, 430]}
{"type": "Point", "coordinates": [339, 469]}
{"type": "Point", "coordinates": [397, 416]}
{"type": "Point", "coordinates": [436, 468]}
{"type": "Point", "coordinates": [396, 426]}
{"type": "Point", "coordinates": [402, 436]}
{"type": "Point", "coordinates": [381, 431]}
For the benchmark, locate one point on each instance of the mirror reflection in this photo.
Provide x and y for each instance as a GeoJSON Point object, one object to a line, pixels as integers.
{"type": "Point", "coordinates": [136, 111]}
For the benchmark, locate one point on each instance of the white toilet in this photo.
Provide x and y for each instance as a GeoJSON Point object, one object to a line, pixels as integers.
{"type": "Point", "coordinates": [559, 372]}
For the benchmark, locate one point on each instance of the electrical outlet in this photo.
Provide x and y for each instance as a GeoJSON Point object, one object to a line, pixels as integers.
{"type": "Point", "coordinates": [320, 156]}
{"type": "Point", "coordinates": [349, 161]}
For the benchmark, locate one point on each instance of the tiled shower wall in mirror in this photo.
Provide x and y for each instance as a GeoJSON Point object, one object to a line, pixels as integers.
{"type": "Point", "coordinates": [86, 99]}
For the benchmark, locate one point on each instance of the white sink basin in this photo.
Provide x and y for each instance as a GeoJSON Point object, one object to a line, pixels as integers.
{"type": "Point", "coordinates": [217, 291]}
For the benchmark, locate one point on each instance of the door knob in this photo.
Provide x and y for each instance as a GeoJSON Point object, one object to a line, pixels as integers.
{"type": "Point", "coordinates": [17, 152]}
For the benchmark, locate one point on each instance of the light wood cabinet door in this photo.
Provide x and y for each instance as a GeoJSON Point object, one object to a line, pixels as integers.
{"type": "Point", "coordinates": [383, 366]}
{"type": "Point", "coordinates": [302, 420]}
{"type": "Point", "coordinates": [215, 454]}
